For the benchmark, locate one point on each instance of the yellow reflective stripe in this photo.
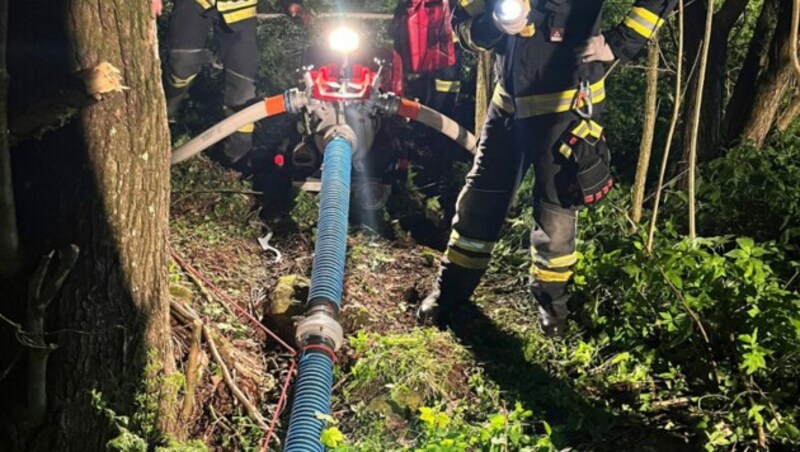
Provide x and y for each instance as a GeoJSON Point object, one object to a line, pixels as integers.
{"type": "Point", "coordinates": [249, 128]}
{"type": "Point", "coordinates": [643, 22]}
{"type": "Point", "coordinates": [554, 262]}
{"type": "Point", "coordinates": [237, 16]}
{"type": "Point", "coordinates": [549, 276]}
{"type": "Point", "coordinates": [586, 128]}
{"type": "Point", "coordinates": [229, 5]}
{"type": "Point", "coordinates": [469, 244]}
{"type": "Point", "coordinates": [180, 82]}
{"type": "Point", "coordinates": [502, 99]}
{"type": "Point", "coordinates": [206, 4]}
{"type": "Point", "coordinates": [565, 150]}
{"type": "Point", "coordinates": [446, 86]}
{"type": "Point", "coordinates": [542, 104]}
{"type": "Point", "coordinates": [473, 7]}
{"type": "Point", "coordinates": [528, 31]}
{"type": "Point", "coordinates": [647, 15]}
{"type": "Point", "coordinates": [462, 260]}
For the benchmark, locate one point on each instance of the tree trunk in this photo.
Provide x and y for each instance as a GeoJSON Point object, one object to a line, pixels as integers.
{"type": "Point", "coordinates": [774, 82]}
{"type": "Point", "coordinates": [483, 88]}
{"type": "Point", "coordinates": [9, 242]}
{"type": "Point", "coordinates": [102, 183]}
{"type": "Point", "coordinates": [648, 132]}
{"type": "Point", "coordinates": [744, 92]}
{"type": "Point", "coordinates": [711, 109]}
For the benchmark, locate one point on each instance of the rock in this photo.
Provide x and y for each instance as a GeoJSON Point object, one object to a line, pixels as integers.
{"type": "Point", "coordinates": [287, 302]}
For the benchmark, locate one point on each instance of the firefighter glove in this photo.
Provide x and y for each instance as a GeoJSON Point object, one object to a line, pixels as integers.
{"type": "Point", "coordinates": [511, 16]}
{"type": "Point", "coordinates": [596, 49]}
{"type": "Point", "coordinates": [584, 148]}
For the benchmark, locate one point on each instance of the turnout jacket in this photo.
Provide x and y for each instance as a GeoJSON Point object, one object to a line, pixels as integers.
{"type": "Point", "coordinates": [539, 69]}
{"type": "Point", "coordinates": [232, 11]}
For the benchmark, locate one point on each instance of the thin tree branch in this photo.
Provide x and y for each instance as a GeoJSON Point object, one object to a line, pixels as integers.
{"type": "Point", "coordinates": [695, 124]}
{"type": "Point", "coordinates": [685, 304]}
{"type": "Point", "coordinates": [648, 133]}
{"type": "Point", "coordinates": [671, 133]}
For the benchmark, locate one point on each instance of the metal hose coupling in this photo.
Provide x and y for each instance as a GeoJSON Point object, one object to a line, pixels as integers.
{"type": "Point", "coordinates": [388, 104]}
{"type": "Point", "coordinates": [320, 325]}
{"type": "Point", "coordinates": [295, 100]}
{"type": "Point", "coordinates": [342, 131]}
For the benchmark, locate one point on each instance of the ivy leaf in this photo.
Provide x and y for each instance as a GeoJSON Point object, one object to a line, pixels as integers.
{"type": "Point", "coordinates": [332, 437]}
{"type": "Point", "coordinates": [753, 361]}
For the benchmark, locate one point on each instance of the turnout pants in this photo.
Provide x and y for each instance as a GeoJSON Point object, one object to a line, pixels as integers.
{"type": "Point", "coordinates": [238, 48]}
{"type": "Point", "coordinates": [507, 148]}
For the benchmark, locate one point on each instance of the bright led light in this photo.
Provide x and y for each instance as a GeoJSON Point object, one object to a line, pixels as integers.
{"type": "Point", "coordinates": [344, 40]}
{"type": "Point", "coordinates": [509, 10]}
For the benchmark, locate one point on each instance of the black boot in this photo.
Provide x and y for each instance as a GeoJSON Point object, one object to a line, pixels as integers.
{"type": "Point", "coordinates": [454, 286]}
{"type": "Point", "coordinates": [552, 300]}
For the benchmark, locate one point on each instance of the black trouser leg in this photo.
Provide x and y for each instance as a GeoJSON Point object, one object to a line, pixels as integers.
{"type": "Point", "coordinates": [480, 212]}
{"type": "Point", "coordinates": [555, 206]}
{"type": "Point", "coordinates": [188, 30]}
{"type": "Point", "coordinates": [240, 55]}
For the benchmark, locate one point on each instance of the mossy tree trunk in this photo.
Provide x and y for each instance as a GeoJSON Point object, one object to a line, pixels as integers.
{"type": "Point", "coordinates": [102, 183]}
{"type": "Point", "coordinates": [648, 132]}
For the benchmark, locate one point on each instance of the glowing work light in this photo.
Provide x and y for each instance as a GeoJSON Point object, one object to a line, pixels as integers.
{"type": "Point", "coordinates": [344, 40]}
{"type": "Point", "coordinates": [509, 10]}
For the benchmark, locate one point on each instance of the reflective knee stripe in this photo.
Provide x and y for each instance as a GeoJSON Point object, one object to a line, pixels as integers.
{"type": "Point", "coordinates": [466, 243]}
{"type": "Point", "coordinates": [643, 22]}
{"type": "Point", "coordinates": [464, 260]}
{"type": "Point", "coordinates": [177, 82]}
{"type": "Point", "coordinates": [473, 7]}
{"type": "Point", "coordinates": [467, 252]}
{"type": "Point", "coordinates": [542, 104]}
{"type": "Point", "coordinates": [448, 86]}
{"type": "Point", "coordinates": [549, 275]}
{"type": "Point", "coordinates": [553, 262]}
{"type": "Point", "coordinates": [249, 128]}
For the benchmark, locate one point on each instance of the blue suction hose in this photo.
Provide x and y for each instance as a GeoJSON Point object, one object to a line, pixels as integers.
{"type": "Point", "coordinates": [319, 333]}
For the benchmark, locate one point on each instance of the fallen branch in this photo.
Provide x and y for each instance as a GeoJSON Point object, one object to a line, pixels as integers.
{"type": "Point", "coordinates": [193, 369]}
{"type": "Point", "coordinates": [186, 313]}
{"type": "Point", "coordinates": [226, 374]}
{"type": "Point", "coordinates": [671, 403]}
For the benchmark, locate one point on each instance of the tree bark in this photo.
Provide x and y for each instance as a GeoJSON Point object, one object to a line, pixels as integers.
{"type": "Point", "coordinates": [102, 183]}
{"type": "Point", "coordinates": [744, 91]}
{"type": "Point", "coordinates": [483, 88]}
{"type": "Point", "coordinates": [648, 132]}
{"type": "Point", "coordinates": [713, 95]}
{"type": "Point", "coordinates": [774, 82]}
{"type": "Point", "coordinates": [9, 242]}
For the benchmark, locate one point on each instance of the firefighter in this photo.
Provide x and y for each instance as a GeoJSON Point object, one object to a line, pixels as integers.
{"type": "Point", "coordinates": [425, 43]}
{"type": "Point", "coordinates": [234, 23]}
{"type": "Point", "coordinates": [545, 112]}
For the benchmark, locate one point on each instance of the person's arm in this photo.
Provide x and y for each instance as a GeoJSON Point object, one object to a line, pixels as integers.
{"type": "Point", "coordinates": [474, 27]}
{"type": "Point", "coordinates": [628, 38]}
{"type": "Point", "coordinates": [295, 9]}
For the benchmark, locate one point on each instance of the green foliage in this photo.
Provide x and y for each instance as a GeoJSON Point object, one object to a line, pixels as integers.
{"type": "Point", "coordinates": [754, 192]}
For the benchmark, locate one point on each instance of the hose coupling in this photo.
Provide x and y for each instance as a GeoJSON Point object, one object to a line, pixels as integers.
{"type": "Point", "coordinates": [295, 100]}
{"type": "Point", "coordinates": [320, 324]}
{"type": "Point", "coordinates": [342, 131]}
{"type": "Point", "coordinates": [388, 104]}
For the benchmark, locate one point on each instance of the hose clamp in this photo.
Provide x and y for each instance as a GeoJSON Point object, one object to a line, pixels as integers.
{"type": "Point", "coordinates": [295, 100]}
{"type": "Point", "coordinates": [342, 131]}
{"type": "Point", "coordinates": [322, 325]}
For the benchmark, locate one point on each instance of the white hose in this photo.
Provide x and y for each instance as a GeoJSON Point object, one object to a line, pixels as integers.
{"type": "Point", "coordinates": [222, 130]}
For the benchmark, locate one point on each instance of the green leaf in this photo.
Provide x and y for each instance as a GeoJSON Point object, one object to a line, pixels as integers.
{"type": "Point", "coordinates": [332, 437]}
{"type": "Point", "coordinates": [745, 243]}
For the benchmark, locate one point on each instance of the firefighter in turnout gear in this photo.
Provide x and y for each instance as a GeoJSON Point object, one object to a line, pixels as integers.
{"type": "Point", "coordinates": [545, 112]}
{"type": "Point", "coordinates": [425, 44]}
{"type": "Point", "coordinates": [234, 23]}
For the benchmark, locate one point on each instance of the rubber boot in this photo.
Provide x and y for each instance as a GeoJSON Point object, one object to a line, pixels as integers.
{"type": "Point", "coordinates": [454, 287]}
{"type": "Point", "coordinates": [552, 301]}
